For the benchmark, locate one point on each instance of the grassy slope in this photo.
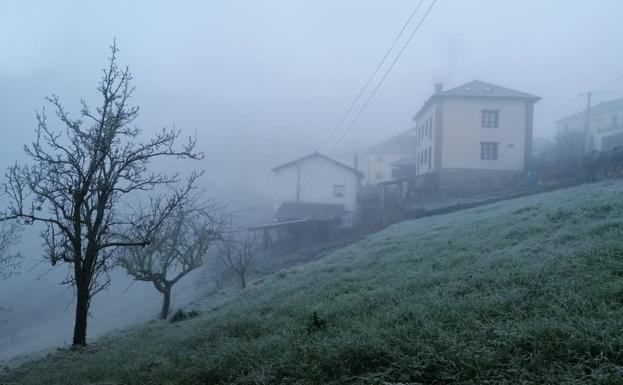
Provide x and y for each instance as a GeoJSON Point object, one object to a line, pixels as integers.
{"type": "Point", "coordinates": [524, 291]}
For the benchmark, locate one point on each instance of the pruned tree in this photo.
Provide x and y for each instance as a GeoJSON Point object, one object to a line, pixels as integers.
{"type": "Point", "coordinates": [180, 246]}
{"type": "Point", "coordinates": [236, 253]}
{"type": "Point", "coordinates": [81, 178]}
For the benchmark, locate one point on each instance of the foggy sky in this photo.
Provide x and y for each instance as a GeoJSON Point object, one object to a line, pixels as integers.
{"type": "Point", "coordinates": [262, 82]}
{"type": "Point", "coordinates": [244, 73]}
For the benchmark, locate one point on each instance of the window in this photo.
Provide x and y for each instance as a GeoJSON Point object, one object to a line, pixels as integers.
{"type": "Point", "coordinates": [490, 118]}
{"type": "Point", "coordinates": [339, 190]}
{"type": "Point", "coordinates": [488, 150]}
{"type": "Point", "coordinates": [379, 159]}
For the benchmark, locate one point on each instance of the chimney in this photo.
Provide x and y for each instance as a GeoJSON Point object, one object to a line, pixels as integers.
{"type": "Point", "coordinates": [438, 87]}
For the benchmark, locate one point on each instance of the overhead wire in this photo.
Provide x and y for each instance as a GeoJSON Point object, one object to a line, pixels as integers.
{"type": "Point", "coordinates": [372, 76]}
{"type": "Point", "coordinates": [380, 83]}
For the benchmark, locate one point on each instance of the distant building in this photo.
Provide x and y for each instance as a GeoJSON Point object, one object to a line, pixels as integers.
{"type": "Point", "coordinates": [313, 195]}
{"type": "Point", "coordinates": [473, 138]}
{"type": "Point", "coordinates": [605, 130]}
{"type": "Point", "coordinates": [376, 161]}
{"type": "Point", "coordinates": [316, 187]}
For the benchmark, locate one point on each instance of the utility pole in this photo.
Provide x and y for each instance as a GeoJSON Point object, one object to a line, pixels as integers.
{"type": "Point", "coordinates": [588, 137]}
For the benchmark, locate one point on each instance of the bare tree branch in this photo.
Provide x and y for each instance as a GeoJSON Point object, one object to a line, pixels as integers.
{"type": "Point", "coordinates": [236, 253]}
{"type": "Point", "coordinates": [80, 177]}
{"type": "Point", "coordinates": [180, 244]}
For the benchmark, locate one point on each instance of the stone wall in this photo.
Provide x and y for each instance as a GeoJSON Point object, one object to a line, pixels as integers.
{"type": "Point", "coordinates": [469, 182]}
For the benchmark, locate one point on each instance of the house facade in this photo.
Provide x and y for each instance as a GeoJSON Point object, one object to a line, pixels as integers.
{"type": "Point", "coordinates": [473, 138]}
{"type": "Point", "coordinates": [605, 129]}
{"type": "Point", "coordinates": [316, 188]}
{"type": "Point", "coordinates": [377, 162]}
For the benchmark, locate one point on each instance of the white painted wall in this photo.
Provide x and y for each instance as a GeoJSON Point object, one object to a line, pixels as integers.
{"type": "Point", "coordinates": [425, 141]}
{"type": "Point", "coordinates": [318, 176]}
{"type": "Point", "coordinates": [377, 168]}
{"type": "Point", "coordinates": [463, 132]}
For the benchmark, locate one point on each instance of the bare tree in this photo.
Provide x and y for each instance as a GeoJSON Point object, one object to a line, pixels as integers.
{"type": "Point", "coordinates": [83, 175]}
{"type": "Point", "coordinates": [179, 247]}
{"type": "Point", "coordinates": [237, 252]}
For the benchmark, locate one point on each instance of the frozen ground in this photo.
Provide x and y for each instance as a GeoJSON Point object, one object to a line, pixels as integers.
{"type": "Point", "coordinates": [522, 291]}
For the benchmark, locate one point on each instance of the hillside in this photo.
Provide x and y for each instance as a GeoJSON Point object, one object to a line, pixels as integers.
{"type": "Point", "coordinates": [525, 291]}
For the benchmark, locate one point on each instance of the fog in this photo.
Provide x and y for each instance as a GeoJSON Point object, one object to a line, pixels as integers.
{"type": "Point", "coordinates": [263, 82]}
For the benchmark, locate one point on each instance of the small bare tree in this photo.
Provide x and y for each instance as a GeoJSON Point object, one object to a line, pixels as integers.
{"type": "Point", "coordinates": [237, 252]}
{"type": "Point", "coordinates": [82, 177]}
{"type": "Point", "coordinates": [179, 247]}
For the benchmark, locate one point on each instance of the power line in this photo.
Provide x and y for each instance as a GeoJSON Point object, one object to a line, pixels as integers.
{"type": "Point", "coordinates": [376, 70]}
{"type": "Point", "coordinates": [404, 47]}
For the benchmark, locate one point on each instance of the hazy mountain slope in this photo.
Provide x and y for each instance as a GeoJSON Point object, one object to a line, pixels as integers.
{"type": "Point", "coordinates": [523, 291]}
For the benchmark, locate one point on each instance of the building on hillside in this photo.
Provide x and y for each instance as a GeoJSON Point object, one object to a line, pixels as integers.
{"type": "Point", "coordinates": [376, 161]}
{"type": "Point", "coordinates": [603, 132]}
{"type": "Point", "coordinates": [471, 139]}
{"type": "Point", "coordinates": [313, 195]}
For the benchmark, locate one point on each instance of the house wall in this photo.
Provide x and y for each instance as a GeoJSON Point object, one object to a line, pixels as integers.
{"type": "Point", "coordinates": [425, 129]}
{"type": "Point", "coordinates": [604, 124]}
{"type": "Point", "coordinates": [463, 132]}
{"type": "Point", "coordinates": [377, 168]}
{"type": "Point", "coordinates": [317, 178]}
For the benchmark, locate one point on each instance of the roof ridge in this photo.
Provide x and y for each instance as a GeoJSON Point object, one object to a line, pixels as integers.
{"type": "Point", "coordinates": [317, 154]}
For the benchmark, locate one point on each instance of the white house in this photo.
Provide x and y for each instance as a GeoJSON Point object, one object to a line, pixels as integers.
{"type": "Point", "coordinates": [377, 161]}
{"type": "Point", "coordinates": [605, 129]}
{"type": "Point", "coordinates": [316, 188]}
{"type": "Point", "coordinates": [473, 138]}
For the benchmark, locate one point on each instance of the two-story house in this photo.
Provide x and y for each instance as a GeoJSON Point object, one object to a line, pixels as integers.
{"type": "Point", "coordinates": [473, 138]}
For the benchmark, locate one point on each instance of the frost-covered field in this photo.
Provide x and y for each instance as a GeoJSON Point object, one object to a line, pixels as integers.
{"type": "Point", "coordinates": [525, 291]}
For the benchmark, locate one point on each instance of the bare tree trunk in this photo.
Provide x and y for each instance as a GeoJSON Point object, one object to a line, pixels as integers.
{"type": "Point", "coordinates": [82, 314]}
{"type": "Point", "coordinates": [166, 302]}
{"type": "Point", "coordinates": [243, 281]}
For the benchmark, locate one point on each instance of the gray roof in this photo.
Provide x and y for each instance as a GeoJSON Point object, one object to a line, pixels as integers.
{"type": "Point", "coordinates": [596, 109]}
{"type": "Point", "coordinates": [288, 211]}
{"type": "Point", "coordinates": [317, 155]}
{"type": "Point", "coordinates": [403, 143]}
{"type": "Point", "coordinates": [478, 89]}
